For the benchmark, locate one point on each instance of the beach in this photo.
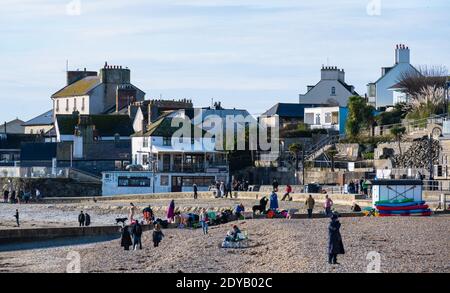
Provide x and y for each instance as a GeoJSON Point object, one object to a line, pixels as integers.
{"type": "Point", "coordinates": [404, 244]}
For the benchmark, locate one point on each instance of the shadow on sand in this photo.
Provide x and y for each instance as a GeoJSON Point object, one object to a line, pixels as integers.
{"type": "Point", "coordinates": [56, 242]}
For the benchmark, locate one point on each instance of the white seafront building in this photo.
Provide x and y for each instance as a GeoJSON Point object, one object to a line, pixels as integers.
{"type": "Point", "coordinates": [167, 162]}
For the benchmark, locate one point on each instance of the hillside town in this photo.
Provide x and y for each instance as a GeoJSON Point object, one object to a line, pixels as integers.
{"type": "Point", "coordinates": [103, 130]}
{"type": "Point", "coordinates": [106, 155]}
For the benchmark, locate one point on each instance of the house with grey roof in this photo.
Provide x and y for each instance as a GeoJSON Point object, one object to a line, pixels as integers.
{"type": "Point", "coordinates": [384, 92]}
{"type": "Point", "coordinates": [88, 93]}
{"type": "Point", "coordinates": [42, 123]}
{"type": "Point", "coordinates": [331, 90]}
{"type": "Point", "coordinates": [13, 126]}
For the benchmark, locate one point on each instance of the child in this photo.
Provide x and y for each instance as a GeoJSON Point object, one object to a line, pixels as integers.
{"type": "Point", "coordinates": [157, 235]}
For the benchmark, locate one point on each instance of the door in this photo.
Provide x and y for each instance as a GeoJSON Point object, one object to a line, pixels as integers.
{"type": "Point", "coordinates": [177, 183]}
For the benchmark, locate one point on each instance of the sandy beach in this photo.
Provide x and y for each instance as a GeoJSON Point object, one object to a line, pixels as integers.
{"type": "Point", "coordinates": [104, 212]}
{"type": "Point", "coordinates": [405, 244]}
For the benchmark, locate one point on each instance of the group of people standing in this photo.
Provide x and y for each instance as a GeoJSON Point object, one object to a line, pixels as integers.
{"type": "Point", "coordinates": [132, 234]}
{"type": "Point", "coordinates": [84, 219]}
{"type": "Point", "coordinates": [357, 187]}
{"type": "Point", "coordinates": [21, 196]}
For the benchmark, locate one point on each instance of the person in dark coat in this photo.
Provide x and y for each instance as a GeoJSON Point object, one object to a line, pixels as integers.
{"type": "Point", "coordinates": [87, 219]}
{"type": "Point", "coordinates": [125, 241]}
{"type": "Point", "coordinates": [195, 191]}
{"type": "Point", "coordinates": [335, 244]}
{"type": "Point", "coordinates": [275, 185]}
{"type": "Point", "coordinates": [137, 234]}
{"type": "Point", "coordinates": [157, 235]}
{"type": "Point", "coordinates": [17, 218]}
{"type": "Point", "coordinates": [5, 196]}
{"type": "Point", "coordinates": [81, 219]}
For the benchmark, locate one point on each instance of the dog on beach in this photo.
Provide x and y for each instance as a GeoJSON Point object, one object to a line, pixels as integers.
{"type": "Point", "coordinates": [261, 208]}
{"type": "Point", "coordinates": [121, 220]}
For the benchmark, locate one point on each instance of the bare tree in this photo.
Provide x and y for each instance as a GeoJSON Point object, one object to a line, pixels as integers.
{"type": "Point", "coordinates": [425, 86]}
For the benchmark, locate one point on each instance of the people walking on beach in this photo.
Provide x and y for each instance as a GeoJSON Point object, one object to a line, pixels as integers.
{"type": "Point", "coordinates": [137, 234]}
{"type": "Point", "coordinates": [125, 240]}
{"type": "Point", "coordinates": [38, 195]}
{"type": "Point", "coordinates": [157, 235]}
{"type": "Point", "coordinates": [195, 191]}
{"type": "Point", "coordinates": [171, 211]}
{"type": "Point", "coordinates": [222, 189]}
{"type": "Point", "coordinates": [17, 218]}
{"type": "Point", "coordinates": [288, 192]}
{"type": "Point", "coordinates": [204, 221]}
{"type": "Point", "coordinates": [327, 205]}
{"type": "Point", "coordinates": [228, 190]}
{"type": "Point", "coordinates": [131, 212]}
{"type": "Point", "coordinates": [87, 219]}
{"type": "Point", "coordinates": [335, 244]}
{"type": "Point", "coordinates": [274, 201]}
{"type": "Point", "coordinates": [275, 184]}
{"type": "Point", "coordinates": [5, 196]}
{"type": "Point", "coordinates": [310, 202]}
{"type": "Point", "coordinates": [81, 219]}
{"type": "Point", "coordinates": [12, 198]}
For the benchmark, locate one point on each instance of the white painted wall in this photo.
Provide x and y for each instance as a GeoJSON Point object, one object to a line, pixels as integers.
{"type": "Point", "coordinates": [322, 93]}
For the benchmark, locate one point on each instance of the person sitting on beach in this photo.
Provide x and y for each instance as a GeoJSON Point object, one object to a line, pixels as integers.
{"type": "Point", "coordinates": [233, 234]}
{"type": "Point", "coordinates": [239, 210]}
{"type": "Point", "coordinates": [125, 241]}
{"type": "Point", "coordinates": [157, 235]}
{"type": "Point", "coordinates": [356, 207]}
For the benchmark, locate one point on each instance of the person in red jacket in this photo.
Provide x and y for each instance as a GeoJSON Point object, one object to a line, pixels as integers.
{"type": "Point", "coordinates": [287, 194]}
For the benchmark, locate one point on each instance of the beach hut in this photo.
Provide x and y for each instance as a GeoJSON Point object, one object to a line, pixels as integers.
{"type": "Point", "coordinates": [385, 189]}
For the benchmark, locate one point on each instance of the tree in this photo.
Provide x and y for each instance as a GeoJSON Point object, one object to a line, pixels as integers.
{"type": "Point", "coordinates": [398, 132]}
{"type": "Point", "coordinates": [295, 149]}
{"type": "Point", "coordinates": [360, 116]}
{"type": "Point", "coordinates": [331, 153]}
{"type": "Point", "coordinates": [425, 89]}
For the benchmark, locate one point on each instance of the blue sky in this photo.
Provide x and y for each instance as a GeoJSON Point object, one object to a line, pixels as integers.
{"type": "Point", "coordinates": [246, 53]}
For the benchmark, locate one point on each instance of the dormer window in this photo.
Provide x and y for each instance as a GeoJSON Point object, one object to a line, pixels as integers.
{"type": "Point", "coordinates": [333, 91]}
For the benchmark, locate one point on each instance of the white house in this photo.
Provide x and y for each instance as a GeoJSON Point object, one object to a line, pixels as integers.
{"type": "Point", "coordinates": [170, 162]}
{"type": "Point", "coordinates": [89, 93]}
{"type": "Point", "coordinates": [380, 92]}
{"type": "Point", "coordinates": [333, 118]}
{"type": "Point", "coordinates": [331, 90]}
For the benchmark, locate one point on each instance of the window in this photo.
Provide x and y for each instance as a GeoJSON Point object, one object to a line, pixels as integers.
{"type": "Point", "coordinates": [328, 117]}
{"type": "Point", "coordinates": [167, 141]}
{"type": "Point", "coordinates": [317, 119]}
{"type": "Point", "coordinates": [164, 180]}
{"type": "Point", "coordinates": [82, 104]}
{"type": "Point", "coordinates": [75, 104]}
{"type": "Point", "coordinates": [135, 159]}
{"type": "Point", "coordinates": [67, 105]}
{"type": "Point", "coordinates": [333, 91]}
{"type": "Point", "coordinates": [57, 105]}
{"type": "Point", "coordinates": [31, 131]}
{"type": "Point", "coordinates": [145, 142]}
{"type": "Point", "coordinates": [133, 182]}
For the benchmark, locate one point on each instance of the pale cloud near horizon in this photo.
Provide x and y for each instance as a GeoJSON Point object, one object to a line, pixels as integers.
{"type": "Point", "coordinates": [237, 51]}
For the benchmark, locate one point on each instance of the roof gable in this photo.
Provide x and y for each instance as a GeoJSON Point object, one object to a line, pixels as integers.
{"type": "Point", "coordinates": [78, 88]}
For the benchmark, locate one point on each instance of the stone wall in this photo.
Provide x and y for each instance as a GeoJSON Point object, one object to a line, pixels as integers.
{"type": "Point", "coordinates": [418, 155]}
{"type": "Point", "coordinates": [53, 187]}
